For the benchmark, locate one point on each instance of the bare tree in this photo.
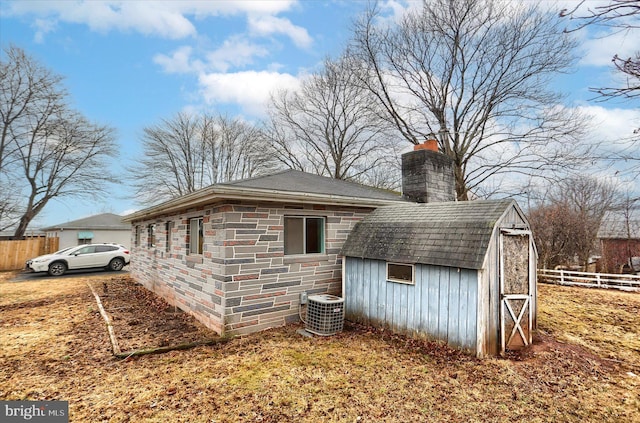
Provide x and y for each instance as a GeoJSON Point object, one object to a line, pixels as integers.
{"type": "Point", "coordinates": [553, 227]}
{"type": "Point", "coordinates": [622, 15]}
{"type": "Point", "coordinates": [330, 126]}
{"type": "Point", "coordinates": [188, 152]}
{"type": "Point", "coordinates": [591, 198]}
{"type": "Point", "coordinates": [566, 224]}
{"type": "Point", "coordinates": [478, 74]}
{"type": "Point", "coordinates": [47, 150]}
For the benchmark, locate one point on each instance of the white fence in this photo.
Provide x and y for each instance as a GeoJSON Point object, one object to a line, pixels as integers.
{"type": "Point", "coordinates": [592, 280]}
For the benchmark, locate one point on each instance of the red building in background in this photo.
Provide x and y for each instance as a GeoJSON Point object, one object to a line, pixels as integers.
{"type": "Point", "coordinates": [620, 245]}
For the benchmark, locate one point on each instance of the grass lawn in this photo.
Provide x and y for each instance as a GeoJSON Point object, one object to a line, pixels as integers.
{"type": "Point", "coordinates": [584, 366]}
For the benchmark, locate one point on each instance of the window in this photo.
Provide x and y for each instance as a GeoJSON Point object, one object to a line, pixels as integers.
{"type": "Point", "coordinates": [303, 235]}
{"type": "Point", "coordinates": [195, 236]}
{"type": "Point", "coordinates": [151, 235]}
{"type": "Point", "coordinates": [168, 229]}
{"type": "Point", "coordinates": [137, 236]}
{"type": "Point", "coordinates": [402, 273]}
{"type": "Point", "coordinates": [85, 237]}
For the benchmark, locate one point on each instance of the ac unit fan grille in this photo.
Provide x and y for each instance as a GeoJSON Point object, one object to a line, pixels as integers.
{"type": "Point", "coordinates": [325, 314]}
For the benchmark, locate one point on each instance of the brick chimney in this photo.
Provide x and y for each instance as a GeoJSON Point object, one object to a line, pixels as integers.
{"type": "Point", "coordinates": [427, 175]}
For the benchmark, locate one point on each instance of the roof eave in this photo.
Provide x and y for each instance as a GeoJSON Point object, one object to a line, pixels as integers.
{"type": "Point", "coordinates": [214, 193]}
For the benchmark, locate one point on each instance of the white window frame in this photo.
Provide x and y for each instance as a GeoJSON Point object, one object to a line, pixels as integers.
{"type": "Point", "coordinates": [304, 234]}
{"type": "Point", "coordinates": [151, 235]}
{"type": "Point", "coordinates": [195, 238]}
{"type": "Point", "coordinates": [404, 281]}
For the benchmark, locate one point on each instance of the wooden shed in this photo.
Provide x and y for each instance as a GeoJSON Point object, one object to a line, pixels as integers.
{"type": "Point", "coordinates": [460, 272]}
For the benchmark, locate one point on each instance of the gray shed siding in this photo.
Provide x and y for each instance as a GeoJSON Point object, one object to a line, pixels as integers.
{"type": "Point", "coordinates": [443, 303]}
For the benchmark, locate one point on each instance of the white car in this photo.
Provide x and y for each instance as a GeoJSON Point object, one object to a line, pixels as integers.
{"type": "Point", "coordinates": [109, 256]}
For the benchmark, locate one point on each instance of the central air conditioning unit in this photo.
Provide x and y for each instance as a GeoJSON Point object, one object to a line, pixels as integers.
{"type": "Point", "coordinates": [325, 314]}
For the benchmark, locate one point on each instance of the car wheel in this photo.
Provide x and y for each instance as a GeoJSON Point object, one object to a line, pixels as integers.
{"type": "Point", "coordinates": [116, 264]}
{"type": "Point", "coordinates": [57, 269]}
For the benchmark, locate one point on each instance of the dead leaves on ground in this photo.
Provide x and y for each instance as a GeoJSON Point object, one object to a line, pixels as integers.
{"type": "Point", "coordinates": [60, 350]}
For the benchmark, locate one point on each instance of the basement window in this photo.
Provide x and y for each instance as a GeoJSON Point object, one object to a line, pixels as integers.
{"type": "Point", "coordinates": [402, 273]}
{"type": "Point", "coordinates": [303, 235]}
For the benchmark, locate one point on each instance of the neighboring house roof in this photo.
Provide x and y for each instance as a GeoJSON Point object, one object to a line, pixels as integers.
{"type": "Point", "coordinates": [286, 186]}
{"type": "Point", "coordinates": [617, 229]}
{"type": "Point", "coordinates": [104, 221]}
{"type": "Point", "coordinates": [454, 234]}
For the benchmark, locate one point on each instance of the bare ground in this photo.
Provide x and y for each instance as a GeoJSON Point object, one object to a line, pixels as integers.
{"type": "Point", "coordinates": [584, 365]}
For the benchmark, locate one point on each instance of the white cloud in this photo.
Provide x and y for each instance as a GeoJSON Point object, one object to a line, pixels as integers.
{"type": "Point", "coordinates": [267, 25]}
{"type": "Point", "coordinates": [178, 62]}
{"type": "Point", "coordinates": [167, 19]}
{"type": "Point", "coordinates": [43, 27]}
{"type": "Point", "coordinates": [601, 47]}
{"type": "Point", "coordinates": [250, 89]}
{"type": "Point", "coordinates": [611, 125]}
{"type": "Point", "coordinates": [235, 51]}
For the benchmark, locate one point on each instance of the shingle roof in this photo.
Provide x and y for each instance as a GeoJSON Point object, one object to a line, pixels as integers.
{"type": "Point", "coordinates": [617, 229]}
{"type": "Point", "coordinates": [287, 186]}
{"type": "Point", "coordinates": [104, 221]}
{"type": "Point", "coordinates": [297, 181]}
{"type": "Point", "coordinates": [454, 234]}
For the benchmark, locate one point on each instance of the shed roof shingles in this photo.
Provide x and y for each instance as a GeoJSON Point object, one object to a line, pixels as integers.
{"type": "Point", "coordinates": [455, 234]}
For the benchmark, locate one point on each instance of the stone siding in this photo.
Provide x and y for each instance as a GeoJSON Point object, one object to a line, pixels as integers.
{"type": "Point", "coordinates": [243, 282]}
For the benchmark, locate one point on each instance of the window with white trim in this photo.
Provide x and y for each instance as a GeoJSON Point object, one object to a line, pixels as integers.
{"type": "Point", "coordinates": [303, 235]}
{"type": "Point", "coordinates": [402, 273]}
{"type": "Point", "coordinates": [151, 235]}
{"type": "Point", "coordinates": [196, 237]}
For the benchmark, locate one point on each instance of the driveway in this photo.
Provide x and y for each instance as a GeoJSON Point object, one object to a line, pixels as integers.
{"type": "Point", "coordinates": [41, 276]}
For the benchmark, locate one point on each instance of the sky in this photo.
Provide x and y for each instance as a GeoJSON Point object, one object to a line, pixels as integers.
{"type": "Point", "coordinates": [130, 64]}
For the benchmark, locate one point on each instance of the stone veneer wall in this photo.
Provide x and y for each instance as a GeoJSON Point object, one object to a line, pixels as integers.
{"type": "Point", "coordinates": [242, 282]}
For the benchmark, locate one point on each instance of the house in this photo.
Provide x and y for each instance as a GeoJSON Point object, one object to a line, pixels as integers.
{"type": "Point", "coordinates": [619, 244]}
{"type": "Point", "coordinates": [105, 227]}
{"type": "Point", "coordinates": [237, 255]}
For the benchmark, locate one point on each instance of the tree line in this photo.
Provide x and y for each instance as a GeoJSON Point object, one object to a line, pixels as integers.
{"type": "Point", "coordinates": [473, 74]}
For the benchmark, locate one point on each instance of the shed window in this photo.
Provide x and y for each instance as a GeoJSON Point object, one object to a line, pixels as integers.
{"type": "Point", "coordinates": [303, 235]}
{"type": "Point", "coordinates": [195, 236]}
{"type": "Point", "coordinates": [403, 273]}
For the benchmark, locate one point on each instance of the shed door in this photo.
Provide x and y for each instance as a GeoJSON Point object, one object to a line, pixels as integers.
{"type": "Point", "coordinates": [515, 295]}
